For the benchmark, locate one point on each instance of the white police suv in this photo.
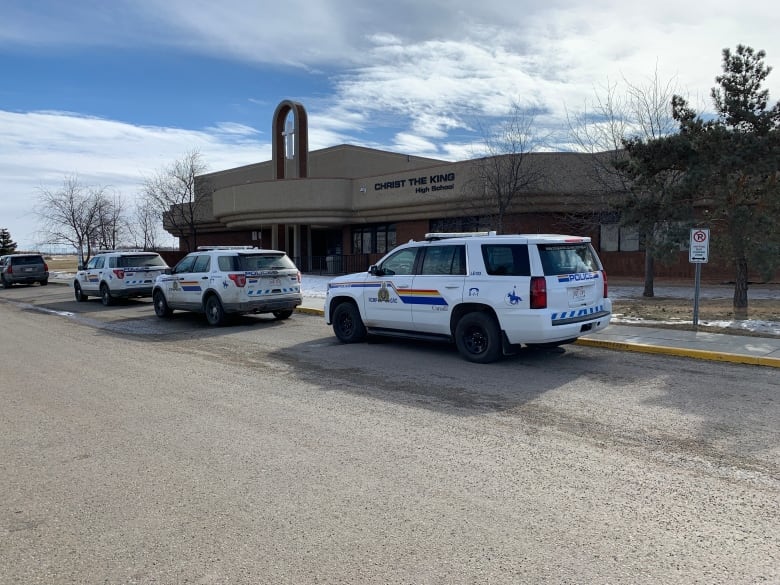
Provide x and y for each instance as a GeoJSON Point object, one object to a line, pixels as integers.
{"type": "Point", "coordinates": [118, 273]}
{"type": "Point", "coordinates": [485, 292]}
{"type": "Point", "coordinates": [222, 280]}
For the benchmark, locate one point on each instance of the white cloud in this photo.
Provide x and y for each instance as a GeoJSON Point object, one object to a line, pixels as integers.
{"type": "Point", "coordinates": [421, 72]}
{"type": "Point", "coordinates": [40, 149]}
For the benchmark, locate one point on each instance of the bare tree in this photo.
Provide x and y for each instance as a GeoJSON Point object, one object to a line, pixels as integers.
{"type": "Point", "coordinates": [111, 223]}
{"type": "Point", "coordinates": [643, 112]}
{"type": "Point", "coordinates": [178, 199]}
{"type": "Point", "coordinates": [144, 229]}
{"type": "Point", "coordinates": [503, 173]}
{"type": "Point", "coordinates": [70, 215]}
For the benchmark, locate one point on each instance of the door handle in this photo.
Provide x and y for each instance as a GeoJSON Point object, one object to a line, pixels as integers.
{"type": "Point", "coordinates": [402, 286]}
{"type": "Point", "coordinates": [204, 277]}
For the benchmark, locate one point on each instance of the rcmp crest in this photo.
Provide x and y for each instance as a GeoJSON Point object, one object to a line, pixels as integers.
{"type": "Point", "coordinates": [383, 296]}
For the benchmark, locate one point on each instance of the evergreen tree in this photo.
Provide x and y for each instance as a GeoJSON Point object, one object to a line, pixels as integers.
{"type": "Point", "coordinates": [732, 168]}
{"type": "Point", "coordinates": [7, 245]}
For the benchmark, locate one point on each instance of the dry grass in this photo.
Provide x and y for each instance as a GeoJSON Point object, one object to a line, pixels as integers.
{"type": "Point", "coordinates": [669, 309]}
{"type": "Point", "coordinates": [62, 263]}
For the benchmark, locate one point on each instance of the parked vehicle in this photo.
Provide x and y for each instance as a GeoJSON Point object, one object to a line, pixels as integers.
{"type": "Point", "coordinates": [223, 280]}
{"type": "Point", "coordinates": [23, 269]}
{"type": "Point", "coordinates": [112, 274]}
{"type": "Point", "coordinates": [487, 293]}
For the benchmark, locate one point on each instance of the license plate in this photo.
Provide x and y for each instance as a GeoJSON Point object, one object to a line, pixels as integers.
{"type": "Point", "coordinates": [577, 293]}
{"type": "Point", "coordinates": [28, 269]}
{"type": "Point", "coordinates": [275, 282]}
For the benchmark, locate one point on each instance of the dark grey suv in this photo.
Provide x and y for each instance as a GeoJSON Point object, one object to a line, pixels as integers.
{"type": "Point", "coordinates": [23, 269]}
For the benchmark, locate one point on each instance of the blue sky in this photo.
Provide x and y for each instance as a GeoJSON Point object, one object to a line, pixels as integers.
{"type": "Point", "coordinates": [111, 92]}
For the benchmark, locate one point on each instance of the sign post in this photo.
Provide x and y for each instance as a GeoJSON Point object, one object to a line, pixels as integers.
{"type": "Point", "coordinates": [698, 254]}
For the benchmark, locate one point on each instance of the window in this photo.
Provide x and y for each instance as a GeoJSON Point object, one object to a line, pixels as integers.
{"type": "Point", "coordinates": [473, 223]}
{"type": "Point", "coordinates": [444, 260]}
{"type": "Point", "coordinates": [202, 263]}
{"type": "Point", "coordinates": [265, 262]}
{"type": "Point", "coordinates": [185, 265]}
{"type": "Point", "coordinates": [567, 258]}
{"type": "Point", "coordinates": [96, 262]}
{"type": "Point", "coordinates": [506, 259]}
{"type": "Point", "coordinates": [376, 239]}
{"type": "Point", "coordinates": [401, 263]}
{"type": "Point", "coordinates": [614, 238]}
{"type": "Point", "coordinates": [139, 260]}
{"type": "Point", "coordinates": [227, 263]}
{"type": "Point", "coordinates": [27, 260]}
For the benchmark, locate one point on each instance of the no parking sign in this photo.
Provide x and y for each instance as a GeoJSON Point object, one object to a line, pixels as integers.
{"type": "Point", "coordinates": [699, 246]}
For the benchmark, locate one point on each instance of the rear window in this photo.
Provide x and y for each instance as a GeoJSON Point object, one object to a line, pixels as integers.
{"type": "Point", "coordinates": [568, 258]}
{"type": "Point", "coordinates": [27, 260]}
{"type": "Point", "coordinates": [506, 259]}
{"type": "Point", "coordinates": [255, 262]}
{"type": "Point", "coordinates": [265, 262]}
{"type": "Point", "coordinates": [140, 261]}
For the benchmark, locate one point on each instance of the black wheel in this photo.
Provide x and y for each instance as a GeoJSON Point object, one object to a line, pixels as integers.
{"type": "Point", "coordinates": [161, 308]}
{"type": "Point", "coordinates": [105, 295]}
{"type": "Point", "coordinates": [282, 315]}
{"type": "Point", "coordinates": [478, 338]}
{"type": "Point", "coordinates": [78, 293]}
{"type": "Point", "coordinates": [4, 282]}
{"type": "Point", "coordinates": [215, 314]}
{"type": "Point", "coordinates": [347, 324]}
{"type": "Point", "coordinates": [44, 282]}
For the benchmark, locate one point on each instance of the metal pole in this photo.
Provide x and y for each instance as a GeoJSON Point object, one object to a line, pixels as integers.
{"type": "Point", "coordinates": [696, 290]}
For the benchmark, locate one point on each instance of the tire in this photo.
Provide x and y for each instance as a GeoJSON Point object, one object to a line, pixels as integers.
{"type": "Point", "coordinates": [44, 282]}
{"type": "Point", "coordinates": [347, 324]}
{"type": "Point", "coordinates": [282, 315]}
{"type": "Point", "coordinates": [215, 314]}
{"type": "Point", "coordinates": [105, 295]}
{"type": "Point", "coordinates": [161, 308]}
{"type": "Point", "coordinates": [4, 282]}
{"type": "Point", "coordinates": [78, 293]}
{"type": "Point", "coordinates": [478, 338]}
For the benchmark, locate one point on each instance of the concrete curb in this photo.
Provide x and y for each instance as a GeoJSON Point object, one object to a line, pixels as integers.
{"type": "Point", "coordinates": [680, 352]}
{"type": "Point", "coordinates": [645, 348]}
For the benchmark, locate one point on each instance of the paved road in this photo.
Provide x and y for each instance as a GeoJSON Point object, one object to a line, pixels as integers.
{"type": "Point", "coordinates": [138, 451]}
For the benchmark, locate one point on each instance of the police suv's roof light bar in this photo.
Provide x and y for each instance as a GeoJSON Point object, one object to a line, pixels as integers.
{"type": "Point", "coordinates": [445, 235]}
{"type": "Point", "coordinates": [205, 248]}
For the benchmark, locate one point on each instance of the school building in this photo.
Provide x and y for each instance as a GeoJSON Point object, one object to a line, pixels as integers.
{"type": "Point", "coordinates": [339, 209]}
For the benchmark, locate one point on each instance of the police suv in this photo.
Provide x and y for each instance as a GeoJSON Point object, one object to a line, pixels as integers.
{"type": "Point", "coordinates": [222, 280]}
{"type": "Point", "coordinates": [118, 273]}
{"type": "Point", "coordinates": [485, 292]}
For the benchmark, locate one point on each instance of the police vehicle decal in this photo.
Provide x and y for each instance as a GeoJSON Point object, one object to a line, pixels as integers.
{"type": "Point", "coordinates": [578, 315]}
{"type": "Point", "coordinates": [93, 277]}
{"type": "Point", "coordinates": [421, 297]}
{"type": "Point", "coordinates": [272, 291]}
{"type": "Point", "coordinates": [190, 286]}
{"type": "Point", "coordinates": [353, 285]}
{"type": "Point", "coordinates": [414, 296]}
{"type": "Point", "coordinates": [578, 277]}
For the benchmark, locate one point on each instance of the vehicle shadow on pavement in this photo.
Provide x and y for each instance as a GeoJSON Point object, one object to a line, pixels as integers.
{"type": "Point", "coordinates": [433, 375]}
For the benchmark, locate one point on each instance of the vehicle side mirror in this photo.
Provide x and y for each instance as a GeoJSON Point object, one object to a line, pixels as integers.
{"type": "Point", "coordinates": [374, 270]}
{"type": "Point", "coordinates": [168, 271]}
{"type": "Point", "coordinates": [80, 266]}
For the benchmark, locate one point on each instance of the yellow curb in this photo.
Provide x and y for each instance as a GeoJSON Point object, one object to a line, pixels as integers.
{"type": "Point", "coordinates": [644, 348]}
{"type": "Point", "coordinates": [680, 352]}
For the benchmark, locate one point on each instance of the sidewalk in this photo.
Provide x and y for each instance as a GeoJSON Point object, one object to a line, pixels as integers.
{"type": "Point", "coordinates": [738, 349]}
